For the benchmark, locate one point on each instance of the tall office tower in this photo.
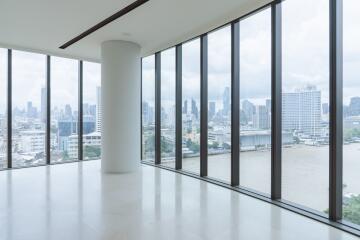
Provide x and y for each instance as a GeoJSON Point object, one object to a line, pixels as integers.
{"type": "Point", "coordinates": [261, 117]}
{"type": "Point", "coordinates": [31, 112]}
{"type": "Point", "coordinates": [212, 110]}
{"type": "Point", "coordinates": [145, 112]}
{"type": "Point", "coordinates": [98, 109]}
{"type": "Point", "coordinates": [86, 109]}
{"type": "Point", "coordinates": [68, 111]}
{"type": "Point", "coordinates": [92, 110]}
{"type": "Point", "coordinates": [88, 124]}
{"type": "Point", "coordinates": [354, 107]}
{"type": "Point", "coordinates": [43, 105]}
{"type": "Point", "coordinates": [268, 105]}
{"type": "Point", "coordinates": [325, 108]}
{"type": "Point", "coordinates": [29, 109]}
{"type": "Point", "coordinates": [226, 101]}
{"type": "Point", "coordinates": [194, 109]}
{"type": "Point", "coordinates": [301, 110]}
{"type": "Point", "coordinates": [249, 110]}
{"type": "Point", "coordinates": [185, 107]}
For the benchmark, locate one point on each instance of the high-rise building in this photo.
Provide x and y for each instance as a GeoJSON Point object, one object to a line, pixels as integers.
{"type": "Point", "coordinates": [325, 108]}
{"type": "Point", "coordinates": [212, 109]}
{"type": "Point", "coordinates": [268, 105]}
{"type": "Point", "coordinates": [261, 117]}
{"type": "Point", "coordinates": [249, 110]}
{"type": "Point", "coordinates": [194, 109]}
{"type": "Point", "coordinates": [146, 113]}
{"type": "Point", "coordinates": [68, 111]}
{"type": "Point", "coordinates": [301, 110]}
{"type": "Point", "coordinates": [354, 107]}
{"type": "Point", "coordinates": [185, 108]}
{"type": "Point", "coordinates": [92, 110]}
{"type": "Point", "coordinates": [31, 112]}
{"type": "Point", "coordinates": [43, 105]}
{"type": "Point", "coordinates": [86, 109]}
{"type": "Point", "coordinates": [98, 109]}
{"type": "Point", "coordinates": [226, 101]}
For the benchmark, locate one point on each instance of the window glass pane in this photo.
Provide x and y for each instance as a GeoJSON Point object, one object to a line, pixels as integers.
{"type": "Point", "coordinates": [351, 151]}
{"type": "Point", "coordinates": [219, 109]}
{"type": "Point", "coordinates": [148, 108]}
{"type": "Point", "coordinates": [29, 109]}
{"type": "Point", "coordinates": [91, 110]}
{"type": "Point", "coordinates": [64, 109]}
{"type": "Point", "coordinates": [191, 106]}
{"type": "Point", "coordinates": [305, 100]}
{"type": "Point", "coordinates": [255, 101]}
{"type": "Point", "coordinates": [3, 108]}
{"type": "Point", "coordinates": [168, 107]}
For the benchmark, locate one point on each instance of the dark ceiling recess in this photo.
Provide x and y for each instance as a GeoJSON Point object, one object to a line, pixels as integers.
{"type": "Point", "coordinates": [108, 20]}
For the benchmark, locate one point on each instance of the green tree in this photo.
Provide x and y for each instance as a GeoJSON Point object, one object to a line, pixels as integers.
{"type": "Point", "coordinates": [214, 145]}
{"type": "Point", "coordinates": [351, 210]}
{"type": "Point", "coordinates": [350, 133]}
{"type": "Point", "coordinates": [192, 146]}
{"type": "Point", "coordinates": [65, 155]}
{"type": "Point", "coordinates": [92, 152]}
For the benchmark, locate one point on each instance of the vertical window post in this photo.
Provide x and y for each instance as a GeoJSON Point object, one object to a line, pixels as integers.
{"type": "Point", "coordinates": [157, 108]}
{"type": "Point", "coordinates": [141, 110]}
{"type": "Point", "coordinates": [336, 111]}
{"type": "Point", "coordinates": [178, 124]}
{"type": "Point", "coordinates": [204, 105]}
{"type": "Point", "coordinates": [48, 110]}
{"type": "Point", "coordinates": [80, 116]}
{"type": "Point", "coordinates": [9, 109]}
{"type": "Point", "coordinates": [235, 103]}
{"type": "Point", "coordinates": [276, 71]}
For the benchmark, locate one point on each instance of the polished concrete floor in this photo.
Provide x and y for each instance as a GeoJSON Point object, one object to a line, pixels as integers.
{"type": "Point", "coordinates": [74, 201]}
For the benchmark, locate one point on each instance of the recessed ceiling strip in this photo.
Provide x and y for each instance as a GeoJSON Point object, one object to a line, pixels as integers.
{"type": "Point", "coordinates": [108, 20]}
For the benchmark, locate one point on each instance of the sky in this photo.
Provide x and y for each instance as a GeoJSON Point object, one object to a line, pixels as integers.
{"type": "Point", "coordinates": [29, 76]}
{"type": "Point", "coordinates": [305, 55]}
{"type": "Point", "coordinates": [305, 61]}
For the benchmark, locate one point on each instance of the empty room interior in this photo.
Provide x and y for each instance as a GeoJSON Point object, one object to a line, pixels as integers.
{"type": "Point", "coordinates": [180, 119]}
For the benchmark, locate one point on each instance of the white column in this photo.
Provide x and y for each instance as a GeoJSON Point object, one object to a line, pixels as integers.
{"type": "Point", "coordinates": [120, 96]}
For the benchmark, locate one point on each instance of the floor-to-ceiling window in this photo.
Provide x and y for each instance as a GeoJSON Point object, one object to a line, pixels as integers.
{"type": "Point", "coordinates": [168, 107]}
{"type": "Point", "coordinates": [91, 111]}
{"type": "Point", "coordinates": [64, 109]}
{"type": "Point", "coordinates": [148, 108]}
{"type": "Point", "coordinates": [191, 105]}
{"type": "Point", "coordinates": [305, 103]}
{"type": "Point", "coordinates": [3, 108]}
{"type": "Point", "coordinates": [255, 101]}
{"type": "Point", "coordinates": [219, 104]}
{"type": "Point", "coordinates": [351, 112]}
{"type": "Point", "coordinates": [28, 108]}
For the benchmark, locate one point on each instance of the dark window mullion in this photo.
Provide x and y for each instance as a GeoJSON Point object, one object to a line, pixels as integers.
{"type": "Point", "coordinates": [80, 114]}
{"type": "Point", "coordinates": [157, 108]}
{"type": "Point", "coordinates": [276, 81]}
{"type": "Point", "coordinates": [235, 103]}
{"type": "Point", "coordinates": [204, 105]}
{"type": "Point", "coordinates": [141, 109]}
{"type": "Point", "coordinates": [178, 124]}
{"type": "Point", "coordinates": [48, 110]}
{"type": "Point", "coordinates": [9, 109]}
{"type": "Point", "coordinates": [336, 111]}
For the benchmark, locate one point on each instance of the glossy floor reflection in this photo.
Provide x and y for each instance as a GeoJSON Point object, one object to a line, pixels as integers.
{"type": "Point", "coordinates": [74, 201]}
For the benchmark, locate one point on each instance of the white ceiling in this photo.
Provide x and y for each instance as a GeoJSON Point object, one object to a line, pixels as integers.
{"type": "Point", "coordinates": [43, 25]}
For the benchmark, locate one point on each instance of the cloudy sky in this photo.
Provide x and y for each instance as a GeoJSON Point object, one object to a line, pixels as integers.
{"type": "Point", "coordinates": [305, 61]}
{"type": "Point", "coordinates": [29, 77]}
{"type": "Point", "coordinates": [305, 55]}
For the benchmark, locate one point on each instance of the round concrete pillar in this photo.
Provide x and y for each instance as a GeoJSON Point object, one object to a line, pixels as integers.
{"type": "Point", "coordinates": [120, 96]}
